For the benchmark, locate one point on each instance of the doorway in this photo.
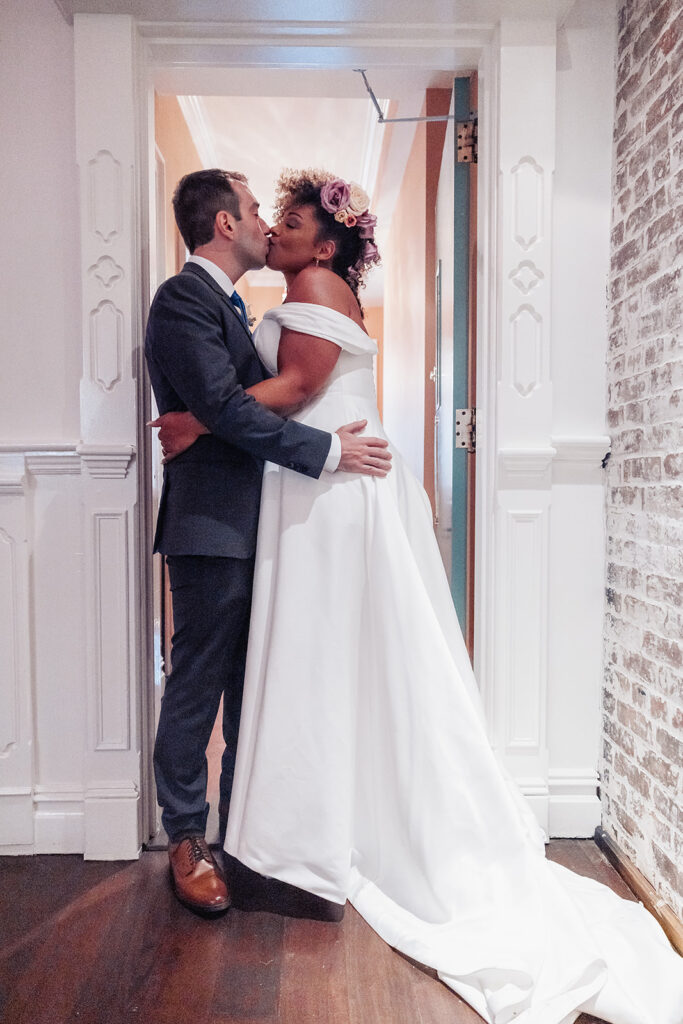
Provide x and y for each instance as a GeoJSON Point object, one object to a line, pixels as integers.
{"type": "Point", "coordinates": [188, 135]}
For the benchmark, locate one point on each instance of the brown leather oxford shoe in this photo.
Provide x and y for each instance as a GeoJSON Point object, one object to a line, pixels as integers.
{"type": "Point", "coordinates": [197, 879]}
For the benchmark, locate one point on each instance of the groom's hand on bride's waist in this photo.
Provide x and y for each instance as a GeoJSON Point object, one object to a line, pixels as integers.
{"type": "Point", "coordinates": [369, 455]}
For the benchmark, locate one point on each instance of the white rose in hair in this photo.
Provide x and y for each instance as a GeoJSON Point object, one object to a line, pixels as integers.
{"type": "Point", "coordinates": [358, 199]}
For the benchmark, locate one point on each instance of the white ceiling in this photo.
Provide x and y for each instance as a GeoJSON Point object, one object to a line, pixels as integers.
{"type": "Point", "coordinates": [259, 135]}
{"type": "Point", "coordinates": [417, 12]}
{"type": "Point", "coordinates": [405, 82]}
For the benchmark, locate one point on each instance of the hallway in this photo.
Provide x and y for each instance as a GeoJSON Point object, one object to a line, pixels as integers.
{"type": "Point", "coordinates": [97, 942]}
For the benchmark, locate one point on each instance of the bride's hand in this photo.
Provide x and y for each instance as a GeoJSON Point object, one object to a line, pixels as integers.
{"type": "Point", "coordinates": [178, 431]}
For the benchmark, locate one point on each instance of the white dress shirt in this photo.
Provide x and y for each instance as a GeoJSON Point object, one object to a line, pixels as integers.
{"type": "Point", "coordinates": [224, 282]}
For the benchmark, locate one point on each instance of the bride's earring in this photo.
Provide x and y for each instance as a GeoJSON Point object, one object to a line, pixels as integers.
{"type": "Point", "coordinates": [317, 262]}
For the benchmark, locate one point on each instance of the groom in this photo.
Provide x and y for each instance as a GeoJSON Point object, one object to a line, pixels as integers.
{"type": "Point", "coordinates": [201, 358]}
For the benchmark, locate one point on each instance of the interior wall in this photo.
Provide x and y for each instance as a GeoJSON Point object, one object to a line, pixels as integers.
{"type": "Point", "coordinates": [409, 308]}
{"type": "Point", "coordinates": [642, 762]}
{"type": "Point", "coordinates": [180, 157]}
{"type": "Point", "coordinates": [259, 299]}
{"type": "Point", "coordinates": [42, 647]}
{"type": "Point", "coordinates": [404, 310]}
{"type": "Point", "coordinates": [580, 259]}
{"type": "Point", "coordinates": [374, 325]}
{"type": "Point", "coordinates": [40, 284]}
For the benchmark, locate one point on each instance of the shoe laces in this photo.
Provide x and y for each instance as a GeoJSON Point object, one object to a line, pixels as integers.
{"type": "Point", "coordinates": [198, 849]}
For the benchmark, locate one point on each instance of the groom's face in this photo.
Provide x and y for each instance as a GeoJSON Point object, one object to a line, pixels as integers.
{"type": "Point", "coordinates": [250, 232]}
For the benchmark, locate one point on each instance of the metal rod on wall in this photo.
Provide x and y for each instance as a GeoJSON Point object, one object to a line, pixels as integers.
{"type": "Point", "coordinates": [395, 120]}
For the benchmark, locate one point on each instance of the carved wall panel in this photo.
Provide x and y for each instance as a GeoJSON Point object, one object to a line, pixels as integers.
{"type": "Point", "coordinates": [9, 655]}
{"type": "Point", "coordinates": [113, 195]}
{"type": "Point", "coordinates": [16, 736]}
{"type": "Point", "coordinates": [106, 271]}
{"type": "Point", "coordinates": [105, 196]}
{"type": "Point", "coordinates": [526, 566]}
{"type": "Point", "coordinates": [523, 426]}
{"type": "Point", "coordinates": [527, 188]}
{"type": "Point", "coordinates": [106, 344]}
{"type": "Point", "coordinates": [526, 276]}
{"type": "Point", "coordinates": [110, 549]}
{"type": "Point", "coordinates": [527, 349]}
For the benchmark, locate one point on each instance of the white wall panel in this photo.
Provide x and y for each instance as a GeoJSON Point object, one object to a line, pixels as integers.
{"type": "Point", "coordinates": [108, 158]}
{"type": "Point", "coordinates": [16, 726]}
{"type": "Point", "coordinates": [580, 253]}
{"type": "Point", "coordinates": [517, 680]}
{"type": "Point", "coordinates": [40, 280]}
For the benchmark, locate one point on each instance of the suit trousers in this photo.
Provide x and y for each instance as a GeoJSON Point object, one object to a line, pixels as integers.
{"type": "Point", "coordinates": [211, 607]}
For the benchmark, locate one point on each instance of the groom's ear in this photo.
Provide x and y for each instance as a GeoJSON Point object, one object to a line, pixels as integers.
{"type": "Point", "coordinates": [224, 224]}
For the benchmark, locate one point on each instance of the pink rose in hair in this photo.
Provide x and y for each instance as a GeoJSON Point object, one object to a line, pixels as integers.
{"type": "Point", "coordinates": [366, 225]}
{"type": "Point", "coordinates": [334, 195]}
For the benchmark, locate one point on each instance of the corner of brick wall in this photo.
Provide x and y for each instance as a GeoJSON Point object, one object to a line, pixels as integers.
{"type": "Point", "coordinates": [642, 755]}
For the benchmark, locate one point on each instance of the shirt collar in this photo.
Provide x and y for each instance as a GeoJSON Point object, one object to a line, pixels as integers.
{"type": "Point", "coordinates": [219, 276]}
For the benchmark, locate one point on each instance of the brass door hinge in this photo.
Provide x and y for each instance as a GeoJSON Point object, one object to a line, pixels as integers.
{"type": "Point", "coordinates": [468, 141]}
{"type": "Point", "coordinates": [466, 430]}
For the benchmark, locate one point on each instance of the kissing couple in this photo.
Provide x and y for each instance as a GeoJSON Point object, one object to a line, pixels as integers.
{"type": "Point", "coordinates": [308, 592]}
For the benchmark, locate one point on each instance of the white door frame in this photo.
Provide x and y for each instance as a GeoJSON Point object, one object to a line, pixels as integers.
{"type": "Point", "coordinates": [116, 59]}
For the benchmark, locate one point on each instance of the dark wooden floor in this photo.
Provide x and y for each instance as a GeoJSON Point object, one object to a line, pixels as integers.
{"type": "Point", "coordinates": [98, 943]}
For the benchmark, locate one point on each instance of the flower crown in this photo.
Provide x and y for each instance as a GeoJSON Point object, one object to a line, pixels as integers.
{"type": "Point", "coordinates": [349, 205]}
{"type": "Point", "coordinates": [348, 202]}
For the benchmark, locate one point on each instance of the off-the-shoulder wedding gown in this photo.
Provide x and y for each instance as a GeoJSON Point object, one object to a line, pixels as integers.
{"type": "Point", "coordinates": [364, 771]}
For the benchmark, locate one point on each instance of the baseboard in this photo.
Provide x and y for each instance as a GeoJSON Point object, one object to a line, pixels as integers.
{"type": "Point", "coordinates": [16, 818]}
{"type": "Point", "coordinates": [643, 889]}
{"type": "Point", "coordinates": [112, 823]}
{"type": "Point", "coordinates": [59, 829]}
{"type": "Point", "coordinates": [574, 810]}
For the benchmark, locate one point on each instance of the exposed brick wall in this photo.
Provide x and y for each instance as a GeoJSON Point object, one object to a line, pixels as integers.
{"type": "Point", "coordinates": [642, 763]}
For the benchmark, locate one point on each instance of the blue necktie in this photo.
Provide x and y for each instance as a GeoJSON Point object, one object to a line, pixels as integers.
{"type": "Point", "coordinates": [240, 307]}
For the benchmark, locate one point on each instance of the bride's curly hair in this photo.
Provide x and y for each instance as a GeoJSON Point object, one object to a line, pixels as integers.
{"type": "Point", "coordinates": [341, 210]}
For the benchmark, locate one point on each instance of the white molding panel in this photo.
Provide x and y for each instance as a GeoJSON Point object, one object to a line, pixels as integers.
{"type": "Point", "coordinates": [111, 611]}
{"type": "Point", "coordinates": [107, 109]}
{"type": "Point", "coordinates": [582, 450]}
{"type": "Point", "coordinates": [45, 463]}
{"type": "Point", "coordinates": [108, 461]}
{"type": "Point", "coordinates": [16, 726]}
{"type": "Point", "coordinates": [524, 545]}
{"type": "Point", "coordinates": [106, 119]}
{"type": "Point", "coordinates": [518, 682]}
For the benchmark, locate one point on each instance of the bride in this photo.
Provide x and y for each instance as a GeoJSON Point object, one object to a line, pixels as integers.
{"type": "Point", "coordinates": [364, 771]}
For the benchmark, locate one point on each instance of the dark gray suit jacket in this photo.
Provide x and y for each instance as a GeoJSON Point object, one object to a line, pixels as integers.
{"type": "Point", "coordinates": [201, 357]}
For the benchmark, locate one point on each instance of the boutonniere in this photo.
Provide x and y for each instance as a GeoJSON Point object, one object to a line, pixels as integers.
{"type": "Point", "coordinates": [251, 319]}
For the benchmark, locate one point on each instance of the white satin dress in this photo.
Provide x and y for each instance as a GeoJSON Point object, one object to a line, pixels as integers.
{"type": "Point", "coordinates": [364, 771]}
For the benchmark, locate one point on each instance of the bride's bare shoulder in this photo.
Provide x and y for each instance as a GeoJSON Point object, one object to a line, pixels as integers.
{"type": "Point", "coordinates": [321, 287]}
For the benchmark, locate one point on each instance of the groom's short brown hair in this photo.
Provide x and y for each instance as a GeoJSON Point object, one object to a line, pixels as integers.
{"type": "Point", "coordinates": [198, 197]}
